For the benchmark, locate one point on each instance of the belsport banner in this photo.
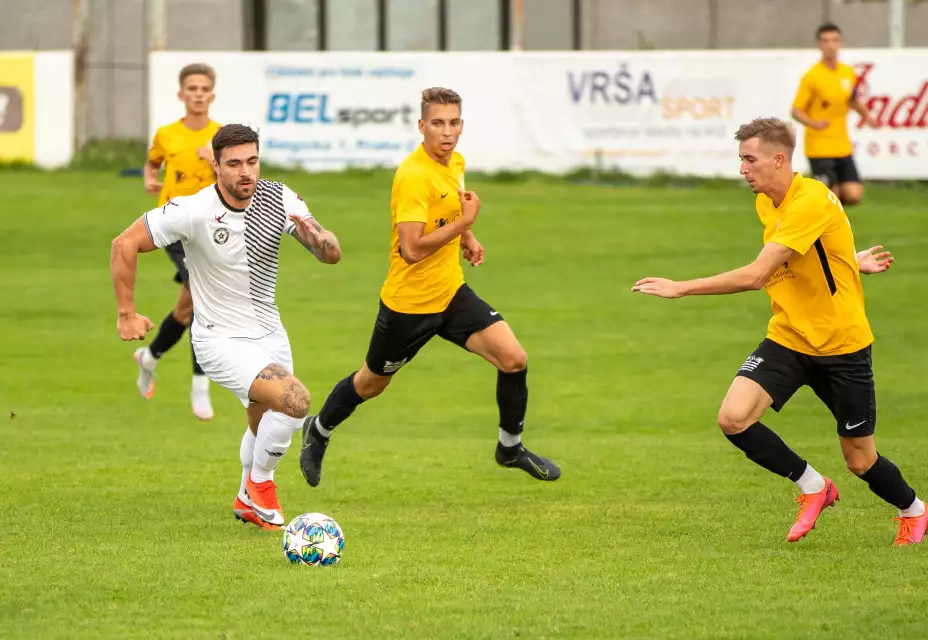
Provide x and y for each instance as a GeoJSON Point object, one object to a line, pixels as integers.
{"type": "Point", "coordinates": [17, 106]}
{"type": "Point", "coordinates": [639, 112]}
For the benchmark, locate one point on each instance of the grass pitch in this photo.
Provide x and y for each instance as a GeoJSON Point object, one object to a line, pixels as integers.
{"type": "Point", "coordinates": [116, 512]}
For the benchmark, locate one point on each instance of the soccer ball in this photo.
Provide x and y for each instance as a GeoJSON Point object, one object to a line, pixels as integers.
{"type": "Point", "coordinates": [314, 539]}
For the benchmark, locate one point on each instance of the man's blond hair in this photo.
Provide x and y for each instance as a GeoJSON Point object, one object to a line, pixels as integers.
{"type": "Point", "coordinates": [771, 131]}
{"type": "Point", "coordinates": [438, 95]}
{"type": "Point", "coordinates": [197, 69]}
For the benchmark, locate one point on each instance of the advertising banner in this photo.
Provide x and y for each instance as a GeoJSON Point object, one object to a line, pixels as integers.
{"type": "Point", "coordinates": [17, 106]}
{"type": "Point", "coordinates": [640, 112]}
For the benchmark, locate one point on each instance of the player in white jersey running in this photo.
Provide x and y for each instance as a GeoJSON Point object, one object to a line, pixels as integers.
{"type": "Point", "coordinates": [231, 234]}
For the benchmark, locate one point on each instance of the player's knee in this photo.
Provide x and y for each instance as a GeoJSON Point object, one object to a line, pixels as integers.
{"type": "Point", "coordinates": [513, 360]}
{"type": "Point", "coordinates": [851, 195]}
{"type": "Point", "coordinates": [367, 385]}
{"type": "Point", "coordinates": [295, 399]}
{"type": "Point", "coordinates": [183, 314]}
{"type": "Point", "coordinates": [732, 422]}
{"type": "Point", "coordinates": [859, 462]}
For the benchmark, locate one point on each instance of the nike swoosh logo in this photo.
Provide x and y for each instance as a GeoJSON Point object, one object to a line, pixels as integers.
{"type": "Point", "coordinates": [494, 313]}
{"type": "Point", "coordinates": [444, 194]}
{"type": "Point", "coordinates": [542, 472]}
{"type": "Point", "coordinates": [267, 517]}
{"type": "Point", "coordinates": [853, 426]}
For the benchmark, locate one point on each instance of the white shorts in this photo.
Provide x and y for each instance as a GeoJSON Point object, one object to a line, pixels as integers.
{"type": "Point", "coordinates": [234, 363]}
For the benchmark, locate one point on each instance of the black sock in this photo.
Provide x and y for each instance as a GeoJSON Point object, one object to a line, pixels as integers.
{"type": "Point", "coordinates": [764, 447]}
{"type": "Point", "coordinates": [886, 481]}
{"type": "Point", "coordinates": [512, 399]}
{"type": "Point", "coordinates": [169, 333]}
{"type": "Point", "coordinates": [340, 404]}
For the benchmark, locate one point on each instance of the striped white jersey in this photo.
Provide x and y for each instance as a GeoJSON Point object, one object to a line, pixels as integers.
{"type": "Point", "coordinates": [231, 256]}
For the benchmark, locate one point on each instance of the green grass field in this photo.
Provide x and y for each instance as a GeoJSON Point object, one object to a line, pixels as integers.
{"type": "Point", "coordinates": [115, 514]}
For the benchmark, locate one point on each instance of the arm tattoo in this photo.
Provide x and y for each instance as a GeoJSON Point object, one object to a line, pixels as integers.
{"type": "Point", "coordinates": [273, 372]}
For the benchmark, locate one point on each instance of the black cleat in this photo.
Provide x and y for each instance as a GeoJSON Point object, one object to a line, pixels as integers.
{"type": "Point", "coordinates": [314, 446]}
{"type": "Point", "coordinates": [518, 457]}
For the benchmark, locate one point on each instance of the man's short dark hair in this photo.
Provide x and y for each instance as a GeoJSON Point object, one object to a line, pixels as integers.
{"type": "Point", "coordinates": [828, 27]}
{"type": "Point", "coordinates": [232, 135]}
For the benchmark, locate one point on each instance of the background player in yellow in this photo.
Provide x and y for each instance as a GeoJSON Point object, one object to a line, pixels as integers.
{"type": "Point", "coordinates": [424, 295]}
{"type": "Point", "coordinates": [819, 335]}
{"type": "Point", "coordinates": [183, 149]}
{"type": "Point", "coordinates": [826, 92]}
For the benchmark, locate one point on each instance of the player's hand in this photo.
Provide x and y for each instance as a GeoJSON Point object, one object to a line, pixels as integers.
{"type": "Point", "coordinates": [133, 326]}
{"type": "Point", "coordinates": [871, 122]}
{"type": "Point", "coordinates": [819, 125]}
{"type": "Point", "coordinates": [470, 206]}
{"type": "Point", "coordinates": [660, 287]}
{"type": "Point", "coordinates": [205, 153]}
{"type": "Point", "coordinates": [307, 231]}
{"type": "Point", "coordinates": [152, 186]}
{"type": "Point", "coordinates": [472, 250]}
{"type": "Point", "coordinates": [874, 260]}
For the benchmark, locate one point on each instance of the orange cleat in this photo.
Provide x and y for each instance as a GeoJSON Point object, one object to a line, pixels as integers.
{"type": "Point", "coordinates": [911, 530]}
{"type": "Point", "coordinates": [246, 514]}
{"type": "Point", "coordinates": [264, 501]}
{"type": "Point", "coordinates": [811, 506]}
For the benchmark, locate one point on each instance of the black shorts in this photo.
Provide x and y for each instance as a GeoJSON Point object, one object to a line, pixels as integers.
{"type": "Point", "coordinates": [176, 254]}
{"type": "Point", "coordinates": [844, 383]}
{"type": "Point", "coordinates": [834, 171]}
{"type": "Point", "coordinates": [397, 337]}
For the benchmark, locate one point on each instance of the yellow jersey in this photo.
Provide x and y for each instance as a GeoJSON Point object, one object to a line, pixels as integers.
{"type": "Point", "coordinates": [816, 296]}
{"type": "Point", "coordinates": [824, 94]}
{"type": "Point", "coordinates": [177, 147]}
{"type": "Point", "coordinates": [424, 191]}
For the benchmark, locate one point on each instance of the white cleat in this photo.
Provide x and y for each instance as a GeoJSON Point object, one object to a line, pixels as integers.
{"type": "Point", "coordinates": [145, 383]}
{"type": "Point", "coordinates": [199, 398]}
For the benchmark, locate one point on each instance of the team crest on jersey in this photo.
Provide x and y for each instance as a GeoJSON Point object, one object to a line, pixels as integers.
{"type": "Point", "coordinates": [221, 235]}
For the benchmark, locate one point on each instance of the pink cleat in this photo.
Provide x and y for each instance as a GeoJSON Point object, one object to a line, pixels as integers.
{"type": "Point", "coordinates": [911, 530]}
{"type": "Point", "coordinates": [811, 506]}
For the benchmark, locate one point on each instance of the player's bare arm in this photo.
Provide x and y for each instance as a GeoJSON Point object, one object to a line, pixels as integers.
{"type": "Point", "coordinates": [801, 116]}
{"type": "Point", "coordinates": [471, 248]}
{"type": "Point", "coordinates": [322, 243]}
{"type": "Point", "coordinates": [416, 245]}
{"type": "Point", "coordinates": [858, 106]}
{"type": "Point", "coordinates": [151, 173]}
{"type": "Point", "coordinates": [874, 260]}
{"type": "Point", "coordinates": [751, 277]}
{"type": "Point", "coordinates": [124, 259]}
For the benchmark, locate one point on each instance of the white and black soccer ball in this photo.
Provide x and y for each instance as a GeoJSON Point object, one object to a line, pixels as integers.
{"type": "Point", "coordinates": [314, 539]}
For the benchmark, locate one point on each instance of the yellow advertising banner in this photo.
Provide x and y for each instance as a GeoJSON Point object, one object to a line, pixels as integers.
{"type": "Point", "coordinates": [17, 107]}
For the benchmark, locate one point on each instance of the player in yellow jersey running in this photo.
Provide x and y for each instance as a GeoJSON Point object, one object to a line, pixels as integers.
{"type": "Point", "coordinates": [819, 335]}
{"type": "Point", "coordinates": [183, 149]}
{"type": "Point", "coordinates": [424, 295]}
{"type": "Point", "coordinates": [826, 92]}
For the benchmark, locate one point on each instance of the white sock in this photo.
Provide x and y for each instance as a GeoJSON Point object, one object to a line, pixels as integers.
{"type": "Point", "coordinates": [811, 481]}
{"type": "Point", "coordinates": [148, 360]}
{"type": "Point", "coordinates": [274, 434]}
{"type": "Point", "coordinates": [246, 454]}
{"type": "Point", "coordinates": [509, 440]}
{"type": "Point", "coordinates": [916, 509]}
{"type": "Point", "coordinates": [325, 433]}
{"type": "Point", "coordinates": [200, 383]}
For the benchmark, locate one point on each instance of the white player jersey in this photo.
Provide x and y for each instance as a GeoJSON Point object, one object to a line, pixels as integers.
{"type": "Point", "coordinates": [231, 255]}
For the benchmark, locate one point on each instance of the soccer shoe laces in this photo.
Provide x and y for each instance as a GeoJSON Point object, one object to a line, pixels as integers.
{"type": "Point", "coordinates": [267, 495]}
{"type": "Point", "coordinates": [805, 501]}
{"type": "Point", "coordinates": [906, 529]}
